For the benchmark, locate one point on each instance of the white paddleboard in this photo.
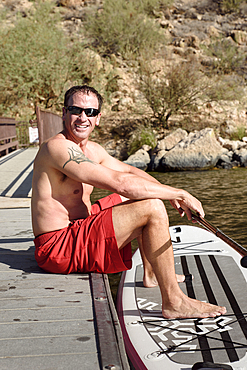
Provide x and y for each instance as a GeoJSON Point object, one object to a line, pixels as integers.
{"type": "Point", "coordinates": [155, 343]}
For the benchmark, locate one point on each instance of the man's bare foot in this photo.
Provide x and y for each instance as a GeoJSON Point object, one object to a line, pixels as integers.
{"type": "Point", "coordinates": [151, 281]}
{"type": "Point", "coordinates": [186, 307]}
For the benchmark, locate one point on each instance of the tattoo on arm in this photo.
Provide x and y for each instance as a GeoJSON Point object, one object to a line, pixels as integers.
{"type": "Point", "coordinates": [77, 156]}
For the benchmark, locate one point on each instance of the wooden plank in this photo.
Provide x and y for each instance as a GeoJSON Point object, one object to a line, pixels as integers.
{"type": "Point", "coordinates": [7, 120]}
{"type": "Point", "coordinates": [46, 320]}
{"type": "Point", "coordinates": [111, 345]}
{"type": "Point", "coordinates": [11, 144]}
{"type": "Point", "coordinates": [8, 137]}
{"type": "Point", "coordinates": [7, 134]}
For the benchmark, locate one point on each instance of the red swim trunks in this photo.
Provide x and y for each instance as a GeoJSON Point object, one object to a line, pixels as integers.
{"type": "Point", "coordinates": [86, 245]}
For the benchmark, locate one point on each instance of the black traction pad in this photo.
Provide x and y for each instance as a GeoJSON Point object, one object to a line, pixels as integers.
{"type": "Point", "coordinates": [218, 280]}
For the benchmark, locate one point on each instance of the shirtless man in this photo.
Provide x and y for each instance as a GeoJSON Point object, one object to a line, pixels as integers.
{"type": "Point", "coordinates": [71, 235]}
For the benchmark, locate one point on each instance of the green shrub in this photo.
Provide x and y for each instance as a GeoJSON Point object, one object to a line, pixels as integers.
{"type": "Point", "coordinates": [239, 133]}
{"type": "Point", "coordinates": [231, 5]}
{"type": "Point", "coordinates": [142, 135]}
{"type": "Point", "coordinates": [151, 6]}
{"type": "Point", "coordinates": [226, 88]}
{"type": "Point", "coordinates": [226, 56]}
{"type": "Point", "coordinates": [123, 28]}
{"type": "Point", "coordinates": [38, 62]}
{"type": "Point", "coordinates": [32, 59]}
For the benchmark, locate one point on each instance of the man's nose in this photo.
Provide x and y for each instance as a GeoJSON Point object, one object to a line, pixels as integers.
{"type": "Point", "coordinates": [82, 116]}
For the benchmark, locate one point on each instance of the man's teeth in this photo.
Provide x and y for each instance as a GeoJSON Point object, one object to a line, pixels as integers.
{"type": "Point", "coordinates": [81, 126]}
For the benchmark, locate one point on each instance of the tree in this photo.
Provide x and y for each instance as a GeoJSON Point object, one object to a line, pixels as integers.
{"type": "Point", "coordinates": [172, 91]}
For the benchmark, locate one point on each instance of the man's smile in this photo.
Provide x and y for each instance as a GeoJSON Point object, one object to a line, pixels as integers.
{"type": "Point", "coordinates": [81, 125]}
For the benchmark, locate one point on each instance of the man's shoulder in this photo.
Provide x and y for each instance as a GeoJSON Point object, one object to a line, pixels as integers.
{"type": "Point", "coordinates": [54, 147]}
{"type": "Point", "coordinates": [94, 145]}
{"type": "Point", "coordinates": [57, 142]}
{"type": "Point", "coordinates": [96, 148]}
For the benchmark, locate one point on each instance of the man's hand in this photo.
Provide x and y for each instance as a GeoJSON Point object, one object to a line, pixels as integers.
{"type": "Point", "coordinates": [187, 204]}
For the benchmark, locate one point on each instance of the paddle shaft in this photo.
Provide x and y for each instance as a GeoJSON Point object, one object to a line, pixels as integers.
{"type": "Point", "coordinates": [241, 250]}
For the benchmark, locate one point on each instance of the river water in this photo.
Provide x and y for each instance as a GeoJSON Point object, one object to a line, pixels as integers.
{"type": "Point", "coordinates": [223, 194]}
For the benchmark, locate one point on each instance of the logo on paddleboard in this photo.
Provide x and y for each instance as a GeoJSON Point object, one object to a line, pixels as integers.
{"type": "Point", "coordinates": [180, 338]}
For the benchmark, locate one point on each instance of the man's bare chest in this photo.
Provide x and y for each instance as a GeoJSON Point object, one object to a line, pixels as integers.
{"type": "Point", "coordinates": [70, 187]}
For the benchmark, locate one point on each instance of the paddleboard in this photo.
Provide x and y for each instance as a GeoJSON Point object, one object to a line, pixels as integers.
{"type": "Point", "coordinates": [155, 343]}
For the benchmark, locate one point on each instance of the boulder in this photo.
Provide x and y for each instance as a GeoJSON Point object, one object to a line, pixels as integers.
{"type": "Point", "coordinates": [241, 157]}
{"type": "Point", "coordinates": [94, 59]}
{"type": "Point", "coordinates": [212, 31]}
{"type": "Point", "coordinates": [124, 103]}
{"type": "Point", "coordinates": [117, 149]}
{"type": "Point", "coordinates": [172, 139]}
{"type": "Point", "coordinates": [140, 159]}
{"type": "Point", "coordinates": [225, 161]}
{"type": "Point", "coordinates": [240, 37]}
{"type": "Point", "coordinates": [157, 159]}
{"type": "Point", "coordinates": [200, 150]}
{"type": "Point", "coordinates": [232, 145]}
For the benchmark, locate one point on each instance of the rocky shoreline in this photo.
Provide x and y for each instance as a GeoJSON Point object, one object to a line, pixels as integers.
{"type": "Point", "coordinates": [199, 150]}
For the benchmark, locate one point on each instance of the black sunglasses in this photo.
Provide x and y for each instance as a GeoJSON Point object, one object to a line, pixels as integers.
{"type": "Point", "coordinates": [90, 112]}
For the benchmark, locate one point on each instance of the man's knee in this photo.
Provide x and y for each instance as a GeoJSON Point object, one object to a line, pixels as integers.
{"type": "Point", "coordinates": [157, 209]}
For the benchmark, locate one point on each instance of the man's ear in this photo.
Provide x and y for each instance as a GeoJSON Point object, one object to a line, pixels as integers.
{"type": "Point", "coordinates": [64, 112]}
{"type": "Point", "coordinates": [98, 119]}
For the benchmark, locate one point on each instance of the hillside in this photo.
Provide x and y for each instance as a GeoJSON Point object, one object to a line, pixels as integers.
{"type": "Point", "coordinates": [200, 53]}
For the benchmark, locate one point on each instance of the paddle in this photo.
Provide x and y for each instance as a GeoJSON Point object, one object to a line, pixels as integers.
{"type": "Point", "coordinates": [241, 250]}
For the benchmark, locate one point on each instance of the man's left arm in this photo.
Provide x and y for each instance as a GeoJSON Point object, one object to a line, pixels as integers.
{"type": "Point", "coordinates": [117, 165]}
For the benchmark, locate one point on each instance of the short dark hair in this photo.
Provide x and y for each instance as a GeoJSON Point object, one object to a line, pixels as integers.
{"type": "Point", "coordinates": [85, 90]}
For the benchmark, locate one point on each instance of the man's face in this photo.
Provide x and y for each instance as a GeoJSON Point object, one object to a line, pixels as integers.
{"type": "Point", "coordinates": [79, 127]}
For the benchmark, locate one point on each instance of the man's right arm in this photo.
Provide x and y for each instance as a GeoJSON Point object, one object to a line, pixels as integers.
{"type": "Point", "coordinates": [68, 158]}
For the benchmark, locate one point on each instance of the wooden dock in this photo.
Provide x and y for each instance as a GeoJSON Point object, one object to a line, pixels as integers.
{"type": "Point", "coordinates": [48, 321]}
